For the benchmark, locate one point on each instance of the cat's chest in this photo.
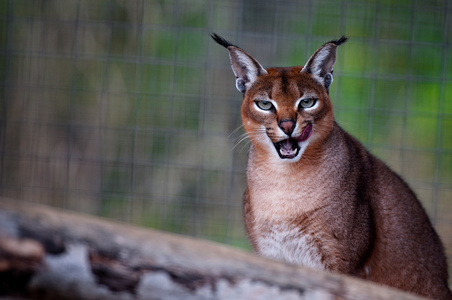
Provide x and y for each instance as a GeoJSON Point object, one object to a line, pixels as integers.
{"type": "Point", "coordinates": [286, 211]}
{"type": "Point", "coordinates": [286, 242]}
{"type": "Point", "coordinates": [282, 225]}
{"type": "Point", "coordinates": [277, 197]}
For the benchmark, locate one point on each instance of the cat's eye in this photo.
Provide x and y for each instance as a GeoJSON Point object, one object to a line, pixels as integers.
{"type": "Point", "coordinates": [264, 105]}
{"type": "Point", "coordinates": [307, 103]}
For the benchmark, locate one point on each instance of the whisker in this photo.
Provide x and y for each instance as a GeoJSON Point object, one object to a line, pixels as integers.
{"type": "Point", "coordinates": [241, 140]}
{"type": "Point", "coordinates": [246, 144]}
{"type": "Point", "coordinates": [235, 130]}
{"type": "Point", "coordinates": [247, 135]}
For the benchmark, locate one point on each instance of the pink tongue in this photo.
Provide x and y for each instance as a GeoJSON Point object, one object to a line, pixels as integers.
{"type": "Point", "coordinates": [305, 134]}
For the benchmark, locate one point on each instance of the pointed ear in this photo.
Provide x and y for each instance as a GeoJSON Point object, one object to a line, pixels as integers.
{"type": "Point", "coordinates": [321, 63]}
{"type": "Point", "coordinates": [244, 66]}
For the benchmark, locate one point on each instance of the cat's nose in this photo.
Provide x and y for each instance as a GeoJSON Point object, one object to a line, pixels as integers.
{"type": "Point", "coordinates": [287, 126]}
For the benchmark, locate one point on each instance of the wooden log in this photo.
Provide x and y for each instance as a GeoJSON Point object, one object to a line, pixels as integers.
{"type": "Point", "coordinates": [47, 253]}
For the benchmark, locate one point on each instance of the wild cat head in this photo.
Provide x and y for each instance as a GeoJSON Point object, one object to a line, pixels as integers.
{"type": "Point", "coordinates": [285, 109]}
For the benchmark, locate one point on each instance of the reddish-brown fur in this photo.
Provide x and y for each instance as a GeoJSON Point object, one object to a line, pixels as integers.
{"type": "Point", "coordinates": [333, 206]}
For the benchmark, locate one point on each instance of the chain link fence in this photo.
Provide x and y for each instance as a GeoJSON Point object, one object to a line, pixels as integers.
{"type": "Point", "coordinates": [128, 110]}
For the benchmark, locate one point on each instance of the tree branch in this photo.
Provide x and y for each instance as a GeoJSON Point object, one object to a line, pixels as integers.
{"type": "Point", "coordinates": [46, 253]}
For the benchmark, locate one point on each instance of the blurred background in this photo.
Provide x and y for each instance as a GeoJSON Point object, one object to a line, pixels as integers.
{"type": "Point", "coordinates": [128, 110]}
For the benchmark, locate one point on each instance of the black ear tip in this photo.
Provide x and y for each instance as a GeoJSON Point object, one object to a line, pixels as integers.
{"type": "Point", "coordinates": [215, 36]}
{"type": "Point", "coordinates": [340, 41]}
{"type": "Point", "coordinates": [220, 40]}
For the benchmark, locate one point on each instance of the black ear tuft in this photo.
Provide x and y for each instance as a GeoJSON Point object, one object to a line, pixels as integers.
{"type": "Point", "coordinates": [246, 68]}
{"type": "Point", "coordinates": [221, 40]}
{"type": "Point", "coordinates": [321, 63]}
{"type": "Point", "coordinates": [340, 41]}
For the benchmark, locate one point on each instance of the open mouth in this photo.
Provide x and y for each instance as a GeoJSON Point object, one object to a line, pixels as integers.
{"type": "Point", "coordinates": [289, 148]}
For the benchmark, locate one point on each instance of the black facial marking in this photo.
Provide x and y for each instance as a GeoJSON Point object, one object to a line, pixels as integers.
{"type": "Point", "coordinates": [284, 81]}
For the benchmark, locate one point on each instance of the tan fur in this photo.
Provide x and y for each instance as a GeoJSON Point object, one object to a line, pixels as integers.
{"type": "Point", "coordinates": [334, 206]}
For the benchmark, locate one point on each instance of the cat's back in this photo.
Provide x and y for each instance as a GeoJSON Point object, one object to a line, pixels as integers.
{"type": "Point", "coordinates": [396, 211]}
{"type": "Point", "coordinates": [405, 243]}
